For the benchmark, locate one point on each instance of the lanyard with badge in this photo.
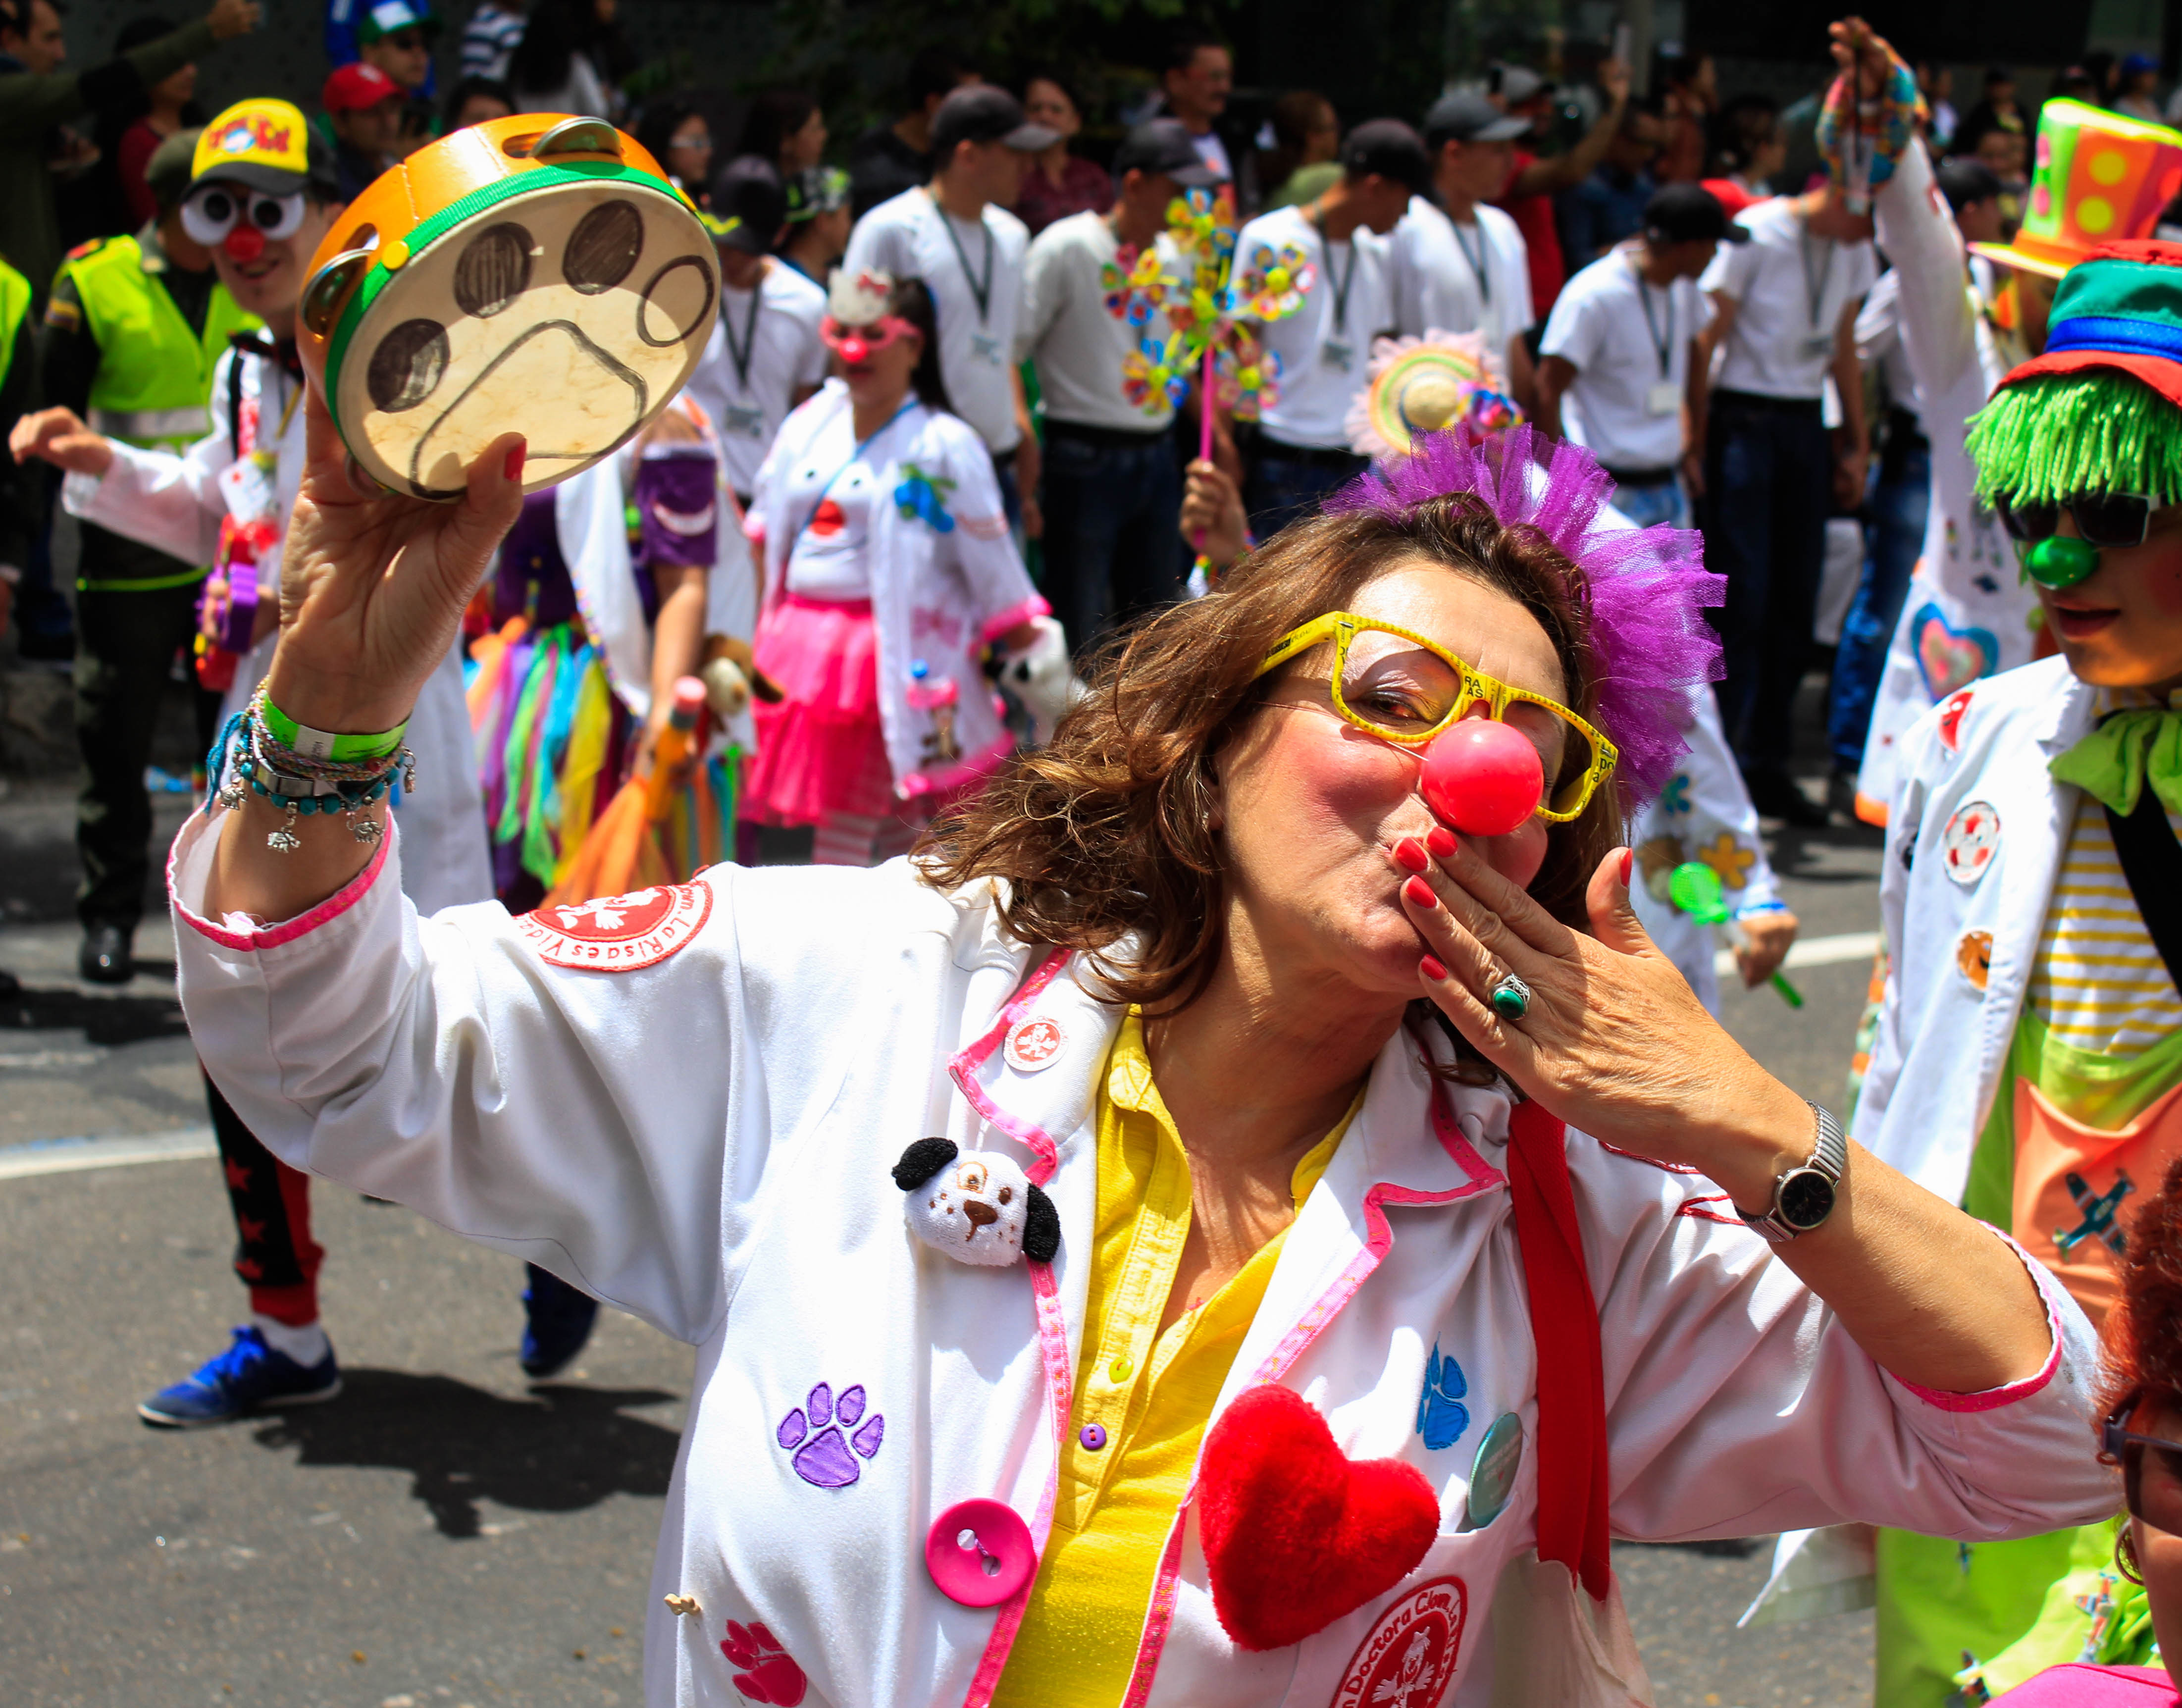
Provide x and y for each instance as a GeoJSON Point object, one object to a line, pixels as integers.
{"type": "Point", "coordinates": [1664, 397]}
{"type": "Point", "coordinates": [1477, 261]}
{"type": "Point", "coordinates": [856, 457]}
{"type": "Point", "coordinates": [1818, 342]}
{"type": "Point", "coordinates": [1337, 352]}
{"type": "Point", "coordinates": [747, 419]}
{"type": "Point", "coordinates": [982, 345]}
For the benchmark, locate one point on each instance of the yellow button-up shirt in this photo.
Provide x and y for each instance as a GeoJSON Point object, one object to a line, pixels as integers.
{"type": "Point", "coordinates": [1150, 1393]}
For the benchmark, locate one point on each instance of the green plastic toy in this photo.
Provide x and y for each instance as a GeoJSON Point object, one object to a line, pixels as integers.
{"type": "Point", "coordinates": [1694, 889]}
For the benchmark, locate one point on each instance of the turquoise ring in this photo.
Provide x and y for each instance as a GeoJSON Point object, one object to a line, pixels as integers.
{"type": "Point", "coordinates": [1511, 998]}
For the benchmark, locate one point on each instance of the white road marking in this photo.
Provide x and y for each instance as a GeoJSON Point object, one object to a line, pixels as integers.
{"type": "Point", "coordinates": [1814, 951]}
{"type": "Point", "coordinates": [66, 1155]}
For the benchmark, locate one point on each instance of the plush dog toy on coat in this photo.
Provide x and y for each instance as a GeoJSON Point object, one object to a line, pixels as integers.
{"type": "Point", "coordinates": [979, 1209]}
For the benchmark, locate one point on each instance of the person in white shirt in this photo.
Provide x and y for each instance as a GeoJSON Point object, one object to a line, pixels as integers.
{"type": "Point", "coordinates": [1616, 365]}
{"type": "Point", "coordinates": [957, 236]}
{"type": "Point", "coordinates": [1301, 452]}
{"type": "Point", "coordinates": [1785, 307]}
{"type": "Point", "coordinates": [765, 356]}
{"type": "Point", "coordinates": [1113, 484]}
{"type": "Point", "coordinates": [1462, 266]}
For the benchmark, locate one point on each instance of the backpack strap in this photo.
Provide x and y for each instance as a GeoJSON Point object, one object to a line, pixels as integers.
{"type": "Point", "coordinates": [1572, 1459]}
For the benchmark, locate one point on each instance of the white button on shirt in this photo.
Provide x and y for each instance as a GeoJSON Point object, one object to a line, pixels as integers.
{"type": "Point", "coordinates": [1629, 343]}
{"type": "Point", "coordinates": [910, 237]}
{"type": "Point", "coordinates": [1325, 347]}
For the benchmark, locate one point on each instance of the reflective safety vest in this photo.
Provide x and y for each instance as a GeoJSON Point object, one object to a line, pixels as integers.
{"type": "Point", "coordinates": [14, 304]}
{"type": "Point", "coordinates": [154, 377]}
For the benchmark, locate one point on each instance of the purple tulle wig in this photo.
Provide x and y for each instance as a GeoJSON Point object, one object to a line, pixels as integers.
{"type": "Point", "coordinates": [1643, 587]}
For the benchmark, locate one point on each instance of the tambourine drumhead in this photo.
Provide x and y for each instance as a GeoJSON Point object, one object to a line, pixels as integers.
{"type": "Point", "coordinates": [565, 297]}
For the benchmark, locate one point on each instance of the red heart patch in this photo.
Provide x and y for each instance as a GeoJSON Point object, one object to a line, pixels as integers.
{"type": "Point", "coordinates": [1296, 1533]}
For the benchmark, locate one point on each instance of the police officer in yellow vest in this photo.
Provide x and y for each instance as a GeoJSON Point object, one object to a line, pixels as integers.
{"type": "Point", "coordinates": [19, 495]}
{"type": "Point", "coordinates": [132, 330]}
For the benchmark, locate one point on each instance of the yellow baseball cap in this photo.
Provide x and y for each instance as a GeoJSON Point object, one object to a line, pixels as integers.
{"type": "Point", "coordinates": [264, 144]}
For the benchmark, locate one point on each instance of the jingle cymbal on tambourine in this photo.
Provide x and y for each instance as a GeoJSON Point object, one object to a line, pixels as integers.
{"type": "Point", "coordinates": [536, 274]}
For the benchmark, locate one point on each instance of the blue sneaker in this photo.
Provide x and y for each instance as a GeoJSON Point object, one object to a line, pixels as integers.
{"type": "Point", "coordinates": [249, 1377]}
{"type": "Point", "coordinates": [559, 1319]}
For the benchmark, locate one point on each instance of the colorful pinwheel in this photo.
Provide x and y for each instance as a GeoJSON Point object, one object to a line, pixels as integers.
{"type": "Point", "coordinates": [1155, 375]}
{"type": "Point", "coordinates": [1248, 375]}
{"type": "Point", "coordinates": [1272, 287]}
{"type": "Point", "coordinates": [1136, 286]}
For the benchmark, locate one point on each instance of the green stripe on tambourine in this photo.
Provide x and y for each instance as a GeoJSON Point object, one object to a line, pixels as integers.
{"type": "Point", "coordinates": [456, 213]}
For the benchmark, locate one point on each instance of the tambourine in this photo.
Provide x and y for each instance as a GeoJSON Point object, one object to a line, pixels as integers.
{"type": "Point", "coordinates": [536, 274]}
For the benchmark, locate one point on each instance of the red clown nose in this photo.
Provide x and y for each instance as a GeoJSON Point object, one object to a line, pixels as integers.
{"type": "Point", "coordinates": [1483, 778]}
{"type": "Point", "coordinates": [244, 244]}
{"type": "Point", "coordinates": [853, 350]}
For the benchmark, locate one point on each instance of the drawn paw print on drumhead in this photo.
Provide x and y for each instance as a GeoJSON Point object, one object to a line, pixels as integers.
{"type": "Point", "coordinates": [557, 319]}
{"type": "Point", "coordinates": [818, 1432]}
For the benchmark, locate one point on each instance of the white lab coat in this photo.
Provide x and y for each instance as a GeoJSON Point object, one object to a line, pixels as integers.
{"type": "Point", "coordinates": [1942, 1044]}
{"type": "Point", "coordinates": [1968, 613]}
{"type": "Point", "coordinates": [706, 1141]}
{"type": "Point", "coordinates": [174, 502]}
{"type": "Point", "coordinates": [1704, 810]}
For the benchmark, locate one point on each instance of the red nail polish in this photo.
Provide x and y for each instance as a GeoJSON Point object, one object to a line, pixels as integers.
{"type": "Point", "coordinates": [1433, 970]}
{"type": "Point", "coordinates": [1411, 853]}
{"type": "Point", "coordinates": [1441, 842]}
{"type": "Point", "coordinates": [1420, 892]}
{"type": "Point", "coordinates": [1628, 863]}
{"type": "Point", "coordinates": [513, 467]}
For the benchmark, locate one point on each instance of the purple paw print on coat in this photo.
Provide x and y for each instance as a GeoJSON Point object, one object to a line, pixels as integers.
{"type": "Point", "coordinates": [815, 1429]}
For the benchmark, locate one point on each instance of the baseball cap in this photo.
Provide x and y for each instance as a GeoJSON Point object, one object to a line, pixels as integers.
{"type": "Point", "coordinates": [354, 87]}
{"type": "Point", "coordinates": [389, 16]}
{"type": "Point", "coordinates": [816, 190]}
{"type": "Point", "coordinates": [1163, 147]}
{"type": "Point", "coordinates": [984, 113]}
{"type": "Point", "coordinates": [1516, 83]}
{"type": "Point", "coordinates": [166, 173]}
{"type": "Point", "coordinates": [1390, 148]}
{"type": "Point", "coordinates": [748, 205]}
{"type": "Point", "coordinates": [265, 144]}
{"type": "Point", "coordinates": [1470, 117]}
{"type": "Point", "coordinates": [1689, 213]}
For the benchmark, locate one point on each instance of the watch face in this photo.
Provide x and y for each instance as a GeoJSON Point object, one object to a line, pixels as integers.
{"type": "Point", "coordinates": [1807, 1199]}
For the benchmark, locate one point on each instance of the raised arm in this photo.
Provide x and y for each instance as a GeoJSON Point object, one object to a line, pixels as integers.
{"type": "Point", "coordinates": [1549, 177]}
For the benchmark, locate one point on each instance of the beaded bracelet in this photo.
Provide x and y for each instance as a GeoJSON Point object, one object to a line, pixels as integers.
{"type": "Point", "coordinates": [248, 760]}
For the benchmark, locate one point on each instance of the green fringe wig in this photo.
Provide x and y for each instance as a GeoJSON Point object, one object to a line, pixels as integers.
{"type": "Point", "coordinates": [2058, 434]}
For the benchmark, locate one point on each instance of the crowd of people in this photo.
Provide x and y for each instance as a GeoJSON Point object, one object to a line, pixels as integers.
{"type": "Point", "coordinates": [918, 560]}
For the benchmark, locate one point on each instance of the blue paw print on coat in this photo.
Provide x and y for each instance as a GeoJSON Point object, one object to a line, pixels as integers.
{"type": "Point", "coordinates": [817, 1431]}
{"type": "Point", "coordinates": [1441, 1415]}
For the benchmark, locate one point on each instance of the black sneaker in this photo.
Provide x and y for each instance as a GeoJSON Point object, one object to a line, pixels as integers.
{"type": "Point", "coordinates": [1776, 796]}
{"type": "Point", "coordinates": [105, 957]}
{"type": "Point", "coordinates": [557, 1321]}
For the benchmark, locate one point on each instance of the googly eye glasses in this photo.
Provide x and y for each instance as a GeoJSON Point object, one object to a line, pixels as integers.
{"type": "Point", "coordinates": [208, 215]}
{"type": "Point", "coordinates": [1406, 687]}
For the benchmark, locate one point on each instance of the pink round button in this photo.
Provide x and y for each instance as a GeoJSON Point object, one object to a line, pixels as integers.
{"type": "Point", "coordinates": [979, 1553]}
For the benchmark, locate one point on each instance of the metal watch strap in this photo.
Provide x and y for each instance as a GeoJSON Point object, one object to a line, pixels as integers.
{"type": "Point", "coordinates": [1830, 1158]}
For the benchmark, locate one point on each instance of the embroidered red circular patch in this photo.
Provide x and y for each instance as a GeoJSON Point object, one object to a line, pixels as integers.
{"type": "Point", "coordinates": [615, 933]}
{"type": "Point", "coordinates": [1407, 1659]}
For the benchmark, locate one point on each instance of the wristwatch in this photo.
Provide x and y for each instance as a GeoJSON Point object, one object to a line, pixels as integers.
{"type": "Point", "coordinates": [1802, 1198]}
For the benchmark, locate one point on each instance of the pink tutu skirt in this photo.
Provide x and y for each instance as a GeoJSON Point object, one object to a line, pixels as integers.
{"type": "Point", "coordinates": [821, 750]}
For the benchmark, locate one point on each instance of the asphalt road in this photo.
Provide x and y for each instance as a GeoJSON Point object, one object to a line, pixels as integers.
{"type": "Point", "coordinates": [448, 1533]}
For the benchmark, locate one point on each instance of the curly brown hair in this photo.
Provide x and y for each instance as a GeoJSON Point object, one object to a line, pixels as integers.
{"type": "Point", "coordinates": [2144, 1332]}
{"type": "Point", "coordinates": [1107, 833]}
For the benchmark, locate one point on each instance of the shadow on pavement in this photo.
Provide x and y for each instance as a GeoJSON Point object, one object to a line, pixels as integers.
{"type": "Point", "coordinates": [560, 1450]}
{"type": "Point", "coordinates": [103, 1020]}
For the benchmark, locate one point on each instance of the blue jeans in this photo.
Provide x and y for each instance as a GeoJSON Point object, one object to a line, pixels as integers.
{"type": "Point", "coordinates": [1283, 485]}
{"type": "Point", "coordinates": [1769, 480]}
{"type": "Point", "coordinates": [1113, 544]}
{"type": "Point", "coordinates": [1901, 497]}
{"type": "Point", "coordinates": [1649, 506]}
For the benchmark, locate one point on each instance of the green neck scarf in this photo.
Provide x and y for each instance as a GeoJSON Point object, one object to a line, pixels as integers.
{"type": "Point", "coordinates": [2111, 762]}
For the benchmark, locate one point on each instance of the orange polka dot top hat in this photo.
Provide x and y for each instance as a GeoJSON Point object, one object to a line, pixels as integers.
{"type": "Point", "coordinates": [537, 273]}
{"type": "Point", "coordinates": [2093, 425]}
{"type": "Point", "coordinates": [2097, 177]}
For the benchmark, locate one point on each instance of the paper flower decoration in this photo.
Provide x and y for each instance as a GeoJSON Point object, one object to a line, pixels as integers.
{"type": "Point", "coordinates": [1442, 381]}
{"type": "Point", "coordinates": [1136, 284]}
{"type": "Point", "coordinates": [1272, 287]}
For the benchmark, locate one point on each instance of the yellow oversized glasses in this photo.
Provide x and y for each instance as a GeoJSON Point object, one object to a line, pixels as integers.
{"type": "Point", "coordinates": [1406, 687]}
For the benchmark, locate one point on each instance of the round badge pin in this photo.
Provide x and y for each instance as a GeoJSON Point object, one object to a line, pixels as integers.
{"type": "Point", "coordinates": [1971, 838]}
{"type": "Point", "coordinates": [1492, 1476]}
{"type": "Point", "coordinates": [1035, 1043]}
{"type": "Point", "coordinates": [1973, 958]}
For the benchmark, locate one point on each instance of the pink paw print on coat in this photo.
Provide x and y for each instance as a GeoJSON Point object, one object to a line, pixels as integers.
{"type": "Point", "coordinates": [768, 1673]}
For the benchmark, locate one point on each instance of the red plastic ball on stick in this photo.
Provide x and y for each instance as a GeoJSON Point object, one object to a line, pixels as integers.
{"type": "Point", "coordinates": [1483, 778]}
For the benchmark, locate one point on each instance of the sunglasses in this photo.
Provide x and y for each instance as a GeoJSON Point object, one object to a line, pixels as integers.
{"type": "Point", "coordinates": [2102, 519]}
{"type": "Point", "coordinates": [1405, 688]}
{"type": "Point", "coordinates": [2153, 1491]}
{"type": "Point", "coordinates": [855, 344]}
{"type": "Point", "coordinates": [210, 213]}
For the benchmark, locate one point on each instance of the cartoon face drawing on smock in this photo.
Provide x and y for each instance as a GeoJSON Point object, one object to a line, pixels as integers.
{"type": "Point", "coordinates": [532, 275]}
